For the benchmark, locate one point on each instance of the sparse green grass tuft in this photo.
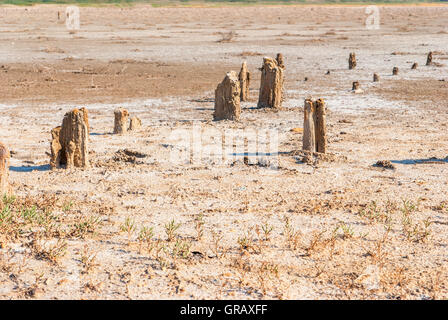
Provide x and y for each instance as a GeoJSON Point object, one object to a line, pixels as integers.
{"type": "Point", "coordinates": [171, 229]}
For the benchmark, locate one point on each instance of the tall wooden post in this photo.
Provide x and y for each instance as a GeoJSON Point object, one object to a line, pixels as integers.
{"type": "Point", "coordinates": [321, 126]}
{"type": "Point", "coordinates": [309, 135]}
{"type": "Point", "coordinates": [244, 78]}
{"type": "Point", "coordinates": [271, 85]}
{"type": "Point", "coordinates": [376, 77]}
{"type": "Point", "coordinates": [352, 61]}
{"type": "Point", "coordinates": [314, 126]}
{"type": "Point", "coordinates": [429, 59]}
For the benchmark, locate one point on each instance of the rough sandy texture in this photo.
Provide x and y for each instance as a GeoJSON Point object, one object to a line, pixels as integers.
{"type": "Point", "coordinates": [329, 218]}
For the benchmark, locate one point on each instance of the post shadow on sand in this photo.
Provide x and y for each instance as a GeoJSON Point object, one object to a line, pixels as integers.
{"type": "Point", "coordinates": [44, 167]}
{"type": "Point", "coordinates": [100, 134]}
{"type": "Point", "coordinates": [419, 161]}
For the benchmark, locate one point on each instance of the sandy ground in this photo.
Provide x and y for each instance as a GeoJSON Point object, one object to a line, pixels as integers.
{"type": "Point", "coordinates": [339, 228]}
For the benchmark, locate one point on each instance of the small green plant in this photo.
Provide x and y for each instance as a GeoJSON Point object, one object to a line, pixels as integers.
{"type": "Point", "coordinates": [145, 236]}
{"type": "Point", "coordinates": [267, 229]}
{"type": "Point", "coordinates": [129, 227]}
{"type": "Point", "coordinates": [85, 226]}
{"type": "Point", "coordinates": [416, 232]}
{"type": "Point", "coordinates": [8, 200]}
{"type": "Point", "coordinates": [5, 215]}
{"type": "Point", "coordinates": [29, 214]}
{"type": "Point", "coordinates": [347, 231]}
{"type": "Point", "coordinates": [409, 206]}
{"type": "Point", "coordinates": [67, 206]}
{"type": "Point", "coordinates": [247, 243]}
{"type": "Point", "coordinates": [181, 249]}
{"type": "Point", "coordinates": [375, 214]}
{"type": "Point", "coordinates": [171, 229]}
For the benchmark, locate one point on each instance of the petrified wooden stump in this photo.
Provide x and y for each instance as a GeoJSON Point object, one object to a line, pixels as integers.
{"type": "Point", "coordinates": [429, 59]}
{"type": "Point", "coordinates": [4, 169]}
{"type": "Point", "coordinates": [376, 77]}
{"type": "Point", "coordinates": [271, 85]}
{"type": "Point", "coordinates": [414, 66]}
{"type": "Point", "coordinates": [86, 118]}
{"type": "Point", "coordinates": [309, 120]}
{"type": "Point", "coordinates": [355, 85]}
{"type": "Point", "coordinates": [314, 126]}
{"type": "Point", "coordinates": [69, 144]}
{"type": "Point", "coordinates": [395, 71]}
{"type": "Point", "coordinates": [321, 126]}
{"type": "Point", "coordinates": [281, 64]}
{"type": "Point", "coordinates": [352, 61]}
{"type": "Point", "coordinates": [280, 61]}
{"type": "Point", "coordinates": [56, 147]}
{"type": "Point", "coordinates": [244, 78]}
{"type": "Point", "coordinates": [227, 98]}
{"type": "Point", "coordinates": [135, 123]}
{"type": "Point", "coordinates": [121, 121]}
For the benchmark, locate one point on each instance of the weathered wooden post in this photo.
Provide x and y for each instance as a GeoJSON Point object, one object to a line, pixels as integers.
{"type": "Point", "coordinates": [280, 61]}
{"type": "Point", "coordinates": [244, 78]}
{"type": "Point", "coordinates": [429, 59]}
{"type": "Point", "coordinates": [321, 126]}
{"type": "Point", "coordinates": [55, 148]}
{"type": "Point", "coordinates": [281, 64]}
{"type": "Point", "coordinates": [309, 135]}
{"type": "Point", "coordinates": [135, 123]}
{"type": "Point", "coordinates": [352, 61]}
{"type": "Point", "coordinates": [376, 77]}
{"type": "Point", "coordinates": [314, 126]}
{"type": "Point", "coordinates": [227, 98]}
{"type": "Point", "coordinates": [271, 85]}
{"type": "Point", "coordinates": [69, 144]}
{"type": "Point", "coordinates": [121, 121]}
{"type": "Point", "coordinates": [4, 169]}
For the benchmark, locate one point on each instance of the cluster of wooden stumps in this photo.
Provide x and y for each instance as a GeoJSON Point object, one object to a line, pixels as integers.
{"type": "Point", "coordinates": [234, 88]}
{"type": "Point", "coordinates": [69, 144]}
{"type": "Point", "coordinates": [376, 77]}
{"type": "Point", "coordinates": [70, 141]}
{"type": "Point", "coordinates": [122, 119]}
